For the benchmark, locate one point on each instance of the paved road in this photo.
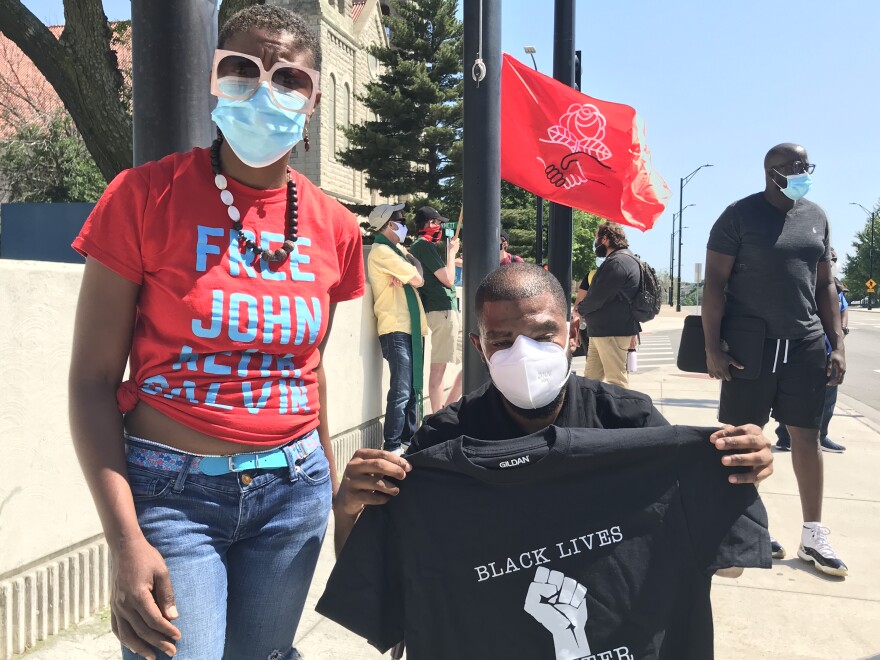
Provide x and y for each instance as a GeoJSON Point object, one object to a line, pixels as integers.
{"type": "Point", "coordinates": [861, 389]}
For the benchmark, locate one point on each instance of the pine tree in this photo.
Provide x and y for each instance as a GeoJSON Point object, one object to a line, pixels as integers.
{"type": "Point", "coordinates": [412, 146]}
{"type": "Point", "coordinates": [858, 262]}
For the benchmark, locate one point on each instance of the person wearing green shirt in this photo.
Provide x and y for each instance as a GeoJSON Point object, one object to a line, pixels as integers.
{"type": "Point", "coordinates": [439, 301]}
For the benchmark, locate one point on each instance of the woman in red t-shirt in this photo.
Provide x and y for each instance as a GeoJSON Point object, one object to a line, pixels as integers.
{"type": "Point", "coordinates": [215, 274]}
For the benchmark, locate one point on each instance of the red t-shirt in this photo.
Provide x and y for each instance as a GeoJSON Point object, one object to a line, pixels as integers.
{"type": "Point", "coordinates": [220, 345]}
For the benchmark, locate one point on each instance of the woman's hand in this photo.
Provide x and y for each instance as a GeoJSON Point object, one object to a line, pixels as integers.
{"type": "Point", "coordinates": [142, 603]}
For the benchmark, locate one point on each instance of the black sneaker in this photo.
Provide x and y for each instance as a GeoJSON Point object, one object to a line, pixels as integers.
{"type": "Point", "coordinates": [829, 445]}
{"type": "Point", "coordinates": [816, 548]}
{"type": "Point", "coordinates": [783, 444]}
{"type": "Point", "coordinates": [776, 549]}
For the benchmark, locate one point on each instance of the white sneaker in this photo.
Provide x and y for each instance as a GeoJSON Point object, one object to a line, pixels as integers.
{"type": "Point", "coordinates": [816, 548]}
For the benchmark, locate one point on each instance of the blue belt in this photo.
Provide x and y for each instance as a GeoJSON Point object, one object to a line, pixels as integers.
{"type": "Point", "coordinates": [169, 459]}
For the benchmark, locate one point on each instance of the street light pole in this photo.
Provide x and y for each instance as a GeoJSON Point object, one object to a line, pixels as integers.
{"type": "Point", "coordinates": [672, 255]}
{"type": "Point", "coordinates": [672, 258]}
{"type": "Point", "coordinates": [683, 182]}
{"type": "Point", "coordinates": [873, 215]}
{"type": "Point", "coordinates": [539, 203]}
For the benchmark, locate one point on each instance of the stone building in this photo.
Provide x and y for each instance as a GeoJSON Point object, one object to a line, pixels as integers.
{"type": "Point", "coordinates": [346, 29]}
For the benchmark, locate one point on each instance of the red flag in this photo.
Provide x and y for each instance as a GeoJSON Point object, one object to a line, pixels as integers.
{"type": "Point", "coordinates": [576, 150]}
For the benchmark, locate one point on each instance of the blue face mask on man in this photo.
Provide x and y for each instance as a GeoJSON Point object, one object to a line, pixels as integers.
{"type": "Point", "coordinates": [797, 185]}
{"type": "Point", "coordinates": [257, 130]}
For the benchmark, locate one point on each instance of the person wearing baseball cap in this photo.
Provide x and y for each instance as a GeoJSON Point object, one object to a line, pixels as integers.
{"type": "Point", "coordinates": [394, 276]}
{"type": "Point", "coordinates": [380, 215]}
{"type": "Point", "coordinates": [439, 301]}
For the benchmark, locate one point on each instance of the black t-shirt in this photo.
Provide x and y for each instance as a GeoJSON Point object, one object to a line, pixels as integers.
{"type": "Point", "coordinates": [569, 543]}
{"type": "Point", "coordinates": [777, 254]}
{"type": "Point", "coordinates": [588, 404]}
{"type": "Point", "coordinates": [608, 305]}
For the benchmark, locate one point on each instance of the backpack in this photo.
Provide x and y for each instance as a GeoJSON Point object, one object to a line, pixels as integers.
{"type": "Point", "coordinates": [645, 305]}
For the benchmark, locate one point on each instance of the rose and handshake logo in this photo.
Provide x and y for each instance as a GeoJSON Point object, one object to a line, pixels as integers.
{"type": "Point", "coordinates": [581, 130]}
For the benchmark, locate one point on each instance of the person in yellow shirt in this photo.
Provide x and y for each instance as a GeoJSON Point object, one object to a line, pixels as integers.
{"type": "Point", "coordinates": [394, 276]}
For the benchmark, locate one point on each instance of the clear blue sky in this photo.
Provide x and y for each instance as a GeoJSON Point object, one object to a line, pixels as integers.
{"type": "Point", "coordinates": [718, 83]}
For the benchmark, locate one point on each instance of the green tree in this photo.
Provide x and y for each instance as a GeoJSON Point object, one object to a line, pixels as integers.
{"type": "Point", "coordinates": [858, 262]}
{"type": "Point", "coordinates": [518, 214]}
{"type": "Point", "coordinates": [49, 163]}
{"type": "Point", "coordinates": [412, 145]}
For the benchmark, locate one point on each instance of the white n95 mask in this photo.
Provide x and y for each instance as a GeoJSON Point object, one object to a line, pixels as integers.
{"type": "Point", "coordinates": [530, 373]}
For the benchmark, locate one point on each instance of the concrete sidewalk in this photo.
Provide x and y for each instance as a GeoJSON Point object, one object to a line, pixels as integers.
{"type": "Point", "coordinates": [790, 612]}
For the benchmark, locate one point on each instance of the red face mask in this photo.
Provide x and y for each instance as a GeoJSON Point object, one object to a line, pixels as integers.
{"type": "Point", "coordinates": [431, 233]}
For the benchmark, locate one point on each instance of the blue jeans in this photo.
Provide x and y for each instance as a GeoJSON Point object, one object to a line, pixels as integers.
{"type": "Point", "coordinates": [827, 414]}
{"type": "Point", "coordinates": [400, 410]}
{"type": "Point", "coordinates": [241, 549]}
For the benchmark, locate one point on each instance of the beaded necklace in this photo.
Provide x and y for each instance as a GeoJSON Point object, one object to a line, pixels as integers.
{"type": "Point", "coordinates": [282, 253]}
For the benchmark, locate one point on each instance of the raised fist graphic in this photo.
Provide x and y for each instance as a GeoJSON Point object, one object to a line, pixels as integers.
{"type": "Point", "coordinates": [560, 605]}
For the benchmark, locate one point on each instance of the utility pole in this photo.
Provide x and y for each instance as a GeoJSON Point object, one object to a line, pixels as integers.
{"type": "Point", "coordinates": [481, 225]}
{"type": "Point", "coordinates": [561, 216]}
{"type": "Point", "coordinates": [172, 46]}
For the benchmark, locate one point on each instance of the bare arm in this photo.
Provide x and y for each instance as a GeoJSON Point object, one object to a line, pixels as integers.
{"type": "Point", "coordinates": [582, 293]}
{"type": "Point", "coordinates": [323, 427]}
{"type": "Point", "coordinates": [418, 279]}
{"type": "Point", "coordinates": [829, 312]}
{"type": "Point", "coordinates": [143, 601]}
{"type": "Point", "coordinates": [446, 275]}
{"type": "Point", "coordinates": [718, 268]}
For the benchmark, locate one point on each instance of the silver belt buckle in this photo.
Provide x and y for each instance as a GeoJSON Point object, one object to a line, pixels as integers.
{"type": "Point", "coordinates": [230, 460]}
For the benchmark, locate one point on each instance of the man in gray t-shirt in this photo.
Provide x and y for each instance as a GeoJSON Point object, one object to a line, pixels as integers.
{"type": "Point", "coordinates": [769, 257]}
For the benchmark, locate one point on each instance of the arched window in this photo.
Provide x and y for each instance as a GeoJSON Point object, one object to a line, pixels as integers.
{"type": "Point", "coordinates": [345, 114]}
{"type": "Point", "coordinates": [330, 93]}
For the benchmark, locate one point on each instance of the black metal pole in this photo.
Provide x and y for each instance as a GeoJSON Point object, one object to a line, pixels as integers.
{"type": "Point", "coordinates": [481, 226]}
{"type": "Point", "coordinates": [172, 48]}
{"type": "Point", "coordinates": [561, 216]}
{"type": "Point", "coordinates": [680, 213]}
{"type": "Point", "coordinates": [539, 231]}
{"type": "Point", "coordinates": [671, 259]}
{"type": "Point", "coordinates": [539, 212]}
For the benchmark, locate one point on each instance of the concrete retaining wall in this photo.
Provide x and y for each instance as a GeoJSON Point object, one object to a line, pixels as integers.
{"type": "Point", "coordinates": [53, 560]}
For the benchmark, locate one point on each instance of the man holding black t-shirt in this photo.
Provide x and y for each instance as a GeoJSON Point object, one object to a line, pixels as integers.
{"type": "Point", "coordinates": [521, 314]}
{"type": "Point", "coordinates": [769, 256]}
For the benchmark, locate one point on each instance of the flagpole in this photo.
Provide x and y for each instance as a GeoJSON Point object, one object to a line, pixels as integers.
{"type": "Point", "coordinates": [561, 216]}
{"type": "Point", "coordinates": [539, 203]}
{"type": "Point", "coordinates": [481, 177]}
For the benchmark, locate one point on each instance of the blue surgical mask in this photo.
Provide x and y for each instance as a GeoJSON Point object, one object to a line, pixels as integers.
{"type": "Point", "coordinates": [257, 130]}
{"type": "Point", "coordinates": [797, 185]}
